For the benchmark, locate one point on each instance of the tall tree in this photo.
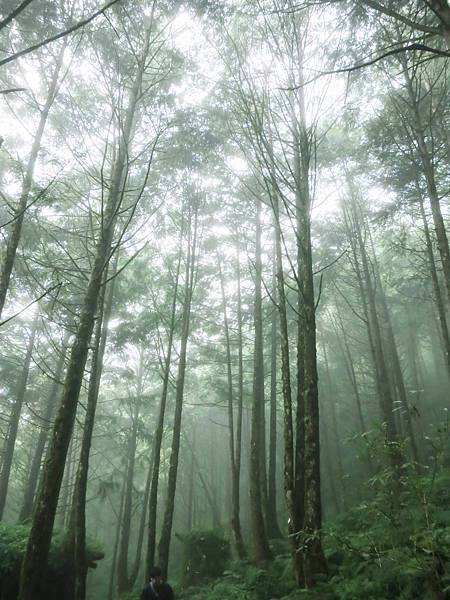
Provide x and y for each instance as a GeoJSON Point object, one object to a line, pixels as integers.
{"type": "Point", "coordinates": [189, 279]}
{"type": "Point", "coordinates": [35, 560]}
{"type": "Point", "coordinates": [261, 545]}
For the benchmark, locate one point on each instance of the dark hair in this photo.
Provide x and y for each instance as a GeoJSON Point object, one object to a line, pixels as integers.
{"type": "Point", "coordinates": [155, 572]}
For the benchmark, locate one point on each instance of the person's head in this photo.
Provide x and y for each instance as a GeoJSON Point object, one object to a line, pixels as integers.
{"type": "Point", "coordinates": [156, 575]}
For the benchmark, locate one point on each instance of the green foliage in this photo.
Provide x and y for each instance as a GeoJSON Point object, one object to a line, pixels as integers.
{"type": "Point", "coordinates": [398, 545]}
{"type": "Point", "coordinates": [13, 542]}
{"type": "Point", "coordinates": [395, 546]}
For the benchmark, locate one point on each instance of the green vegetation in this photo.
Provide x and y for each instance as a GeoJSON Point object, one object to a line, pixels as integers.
{"type": "Point", "coordinates": [13, 542]}
{"type": "Point", "coordinates": [396, 546]}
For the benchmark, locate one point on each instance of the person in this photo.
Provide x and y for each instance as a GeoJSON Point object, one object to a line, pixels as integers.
{"type": "Point", "coordinates": [157, 589]}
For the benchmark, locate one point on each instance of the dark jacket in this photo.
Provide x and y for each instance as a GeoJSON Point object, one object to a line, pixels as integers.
{"type": "Point", "coordinates": [162, 591]}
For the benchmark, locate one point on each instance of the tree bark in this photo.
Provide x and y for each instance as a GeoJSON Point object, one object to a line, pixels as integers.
{"type": "Point", "coordinates": [308, 401]}
{"type": "Point", "coordinates": [334, 425]}
{"type": "Point", "coordinates": [273, 529]}
{"type": "Point", "coordinates": [81, 480]}
{"type": "Point", "coordinates": [240, 393]}
{"type": "Point", "coordinates": [436, 286]}
{"type": "Point", "coordinates": [441, 9]}
{"type": "Point", "coordinates": [124, 584]}
{"type": "Point", "coordinates": [261, 545]}
{"type": "Point", "coordinates": [116, 544]}
{"type": "Point", "coordinates": [142, 525]}
{"type": "Point", "coordinates": [36, 464]}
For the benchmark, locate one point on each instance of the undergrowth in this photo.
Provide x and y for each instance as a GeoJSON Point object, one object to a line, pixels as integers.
{"type": "Point", "coordinates": [397, 546]}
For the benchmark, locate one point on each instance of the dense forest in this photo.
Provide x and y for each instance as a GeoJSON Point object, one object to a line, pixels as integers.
{"type": "Point", "coordinates": [224, 299]}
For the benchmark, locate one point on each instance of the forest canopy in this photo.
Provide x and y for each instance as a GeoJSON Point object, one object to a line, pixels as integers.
{"type": "Point", "coordinates": [224, 299]}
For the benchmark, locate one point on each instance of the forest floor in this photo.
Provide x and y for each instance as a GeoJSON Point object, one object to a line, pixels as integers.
{"type": "Point", "coordinates": [395, 546]}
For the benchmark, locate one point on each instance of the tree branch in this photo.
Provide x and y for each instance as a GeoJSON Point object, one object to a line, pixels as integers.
{"type": "Point", "coordinates": [415, 46]}
{"type": "Point", "coordinates": [58, 36]}
{"type": "Point", "coordinates": [13, 14]}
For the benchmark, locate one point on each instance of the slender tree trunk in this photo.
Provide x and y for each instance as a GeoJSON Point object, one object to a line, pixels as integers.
{"type": "Point", "coordinates": [36, 555]}
{"type": "Point", "coordinates": [240, 395]}
{"type": "Point", "coordinates": [81, 480]}
{"type": "Point", "coordinates": [63, 501]}
{"type": "Point", "coordinates": [261, 544]}
{"type": "Point", "coordinates": [36, 463]}
{"type": "Point", "coordinates": [16, 228]}
{"type": "Point", "coordinates": [142, 525]}
{"type": "Point", "coordinates": [436, 286]}
{"type": "Point", "coordinates": [396, 366]}
{"type": "Point", "coordinates": [235, 516]}
{"type": "Point", "coordinates": [14, 419]}
{"type": "Point", "coordinates": [293, 505]}
{"type": "Point", "coordinates": [334, 424]}
{"type": "Point", "coordinates": [116, 543]}
{"type": "Point", "coordinates": [153, 499]}
{"type": "Point", "coordinates": [166, 532]}
{"type": "Point", "coordinates": [329, 466]}
{"type": "Point", "coordinates": [190, 520]}
{"type": "Point", "coordinates": [124, 584]}
{"type": "Point", "coordinates": [350, 369]}
{"type": "Point", "coordinates": [384, 389]}
{"type": "Point", "coordinates": [273, 530]}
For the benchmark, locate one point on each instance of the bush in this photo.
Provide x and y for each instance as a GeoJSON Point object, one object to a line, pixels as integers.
{"type": "Point", "coordinates": [206, 554]}
{"type": "Point", "coordinates": [13, 543]}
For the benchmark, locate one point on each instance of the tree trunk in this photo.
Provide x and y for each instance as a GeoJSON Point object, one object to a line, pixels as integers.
{"type": "Point", "coordinates": [240, 396]}
{"type": "Point", "coordinates": [36, 555]}
{"type": "Point", "coordinates": [261, 545]}
{"type": "Point", "coordinates": [142, 525]}
{"type": "Point", "coordinates": [63, 501]}
{"type": "Point", "coordinates": [436, 286]}
{"type": "Point", "coordinates": [14, 419]}
{"type": "Point", "coordinates": [16, 229]}
{"type": "Point", "coordinates": [442, 11]}
{"type": "Point", "coordinates": [395, 359]}
{"type": "Point", "coordinates": [308, 401]}
{"type": "Point", "coordinates": [382, 378]}
{"type": "Point", "coordinates": [190, 520]}
{"type": "Point", "coordinates": [350, 369]}
{"type": "Point", "coordinates": [36, 463]}
{"type": "Point", "coordinates": [153, 499]}
{"type": "Point", "coordinates": [124, 584]}
{"type": "Point", "coordinates": [81, 481]}
{"type": "Point", "coordinates": [273, 530]}
{"type": "Point", "coordinates": [116, 544]}
{"type": "Point", "coordinates": [294, 507]}
{"type": "Point", "coordinates": [166, 532]}
{"type": "Point", "coordinates": [335, 430]}
{"type": "Point", "coordinates": [235, 516]}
